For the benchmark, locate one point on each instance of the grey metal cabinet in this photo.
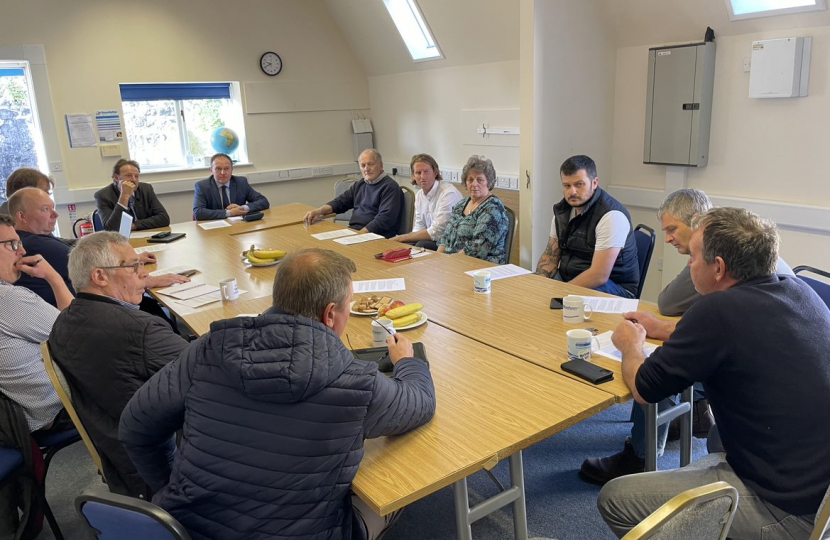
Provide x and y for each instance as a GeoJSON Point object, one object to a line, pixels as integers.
{"type": "Point", "coordinates": [679, 104]}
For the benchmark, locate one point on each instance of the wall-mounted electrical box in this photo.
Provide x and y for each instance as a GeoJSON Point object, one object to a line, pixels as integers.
{"type": "Point", "coordinates": [681, 79]}
{"type": "Point", "coordinates": [780, 67]}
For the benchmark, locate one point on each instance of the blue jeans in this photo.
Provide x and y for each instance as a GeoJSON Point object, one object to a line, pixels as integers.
{"type": "Point", "coordinates": [609, 287]}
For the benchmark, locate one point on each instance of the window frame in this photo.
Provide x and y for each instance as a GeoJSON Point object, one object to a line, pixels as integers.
{"type": "Point", "coordinates": [237, 124]}
{"type": "Point", "coordinates": [820, 5]}
{"type": "Point", "coordinates": [421, 23]}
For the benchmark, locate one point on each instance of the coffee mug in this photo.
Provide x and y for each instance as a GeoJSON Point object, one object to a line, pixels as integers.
{"type": "Point", "coordinates": [576, 310]}
{"type": "Point", "coordinates": [579, 343]}
{"type": "Point", "coordinates": [481, 282]}
{"type": "Point", "coordinates": [229, 289]}
{"type": "Point", "coordinates": [381, 329]}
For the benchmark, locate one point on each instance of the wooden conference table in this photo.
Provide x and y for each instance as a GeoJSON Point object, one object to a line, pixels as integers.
{"type": "Point", "coordinates": [494, 359]}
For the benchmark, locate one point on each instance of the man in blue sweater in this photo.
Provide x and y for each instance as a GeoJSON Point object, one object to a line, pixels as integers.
{"type": "Point", "coordinates": [376, 199]}
{"type": "Point", "coordinates": [758, 342]}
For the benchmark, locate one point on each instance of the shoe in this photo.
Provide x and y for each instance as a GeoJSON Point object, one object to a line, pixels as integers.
{"type": "Point", "coordinates": [702, 421]}
{"type": "Point", "coordinates": [602, 470]}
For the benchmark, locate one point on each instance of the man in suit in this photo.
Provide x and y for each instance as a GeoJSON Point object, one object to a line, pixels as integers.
{"type": "Point", "coordinates": [126, 194]}
{"type": "Point", "coordinates": [224, 195]}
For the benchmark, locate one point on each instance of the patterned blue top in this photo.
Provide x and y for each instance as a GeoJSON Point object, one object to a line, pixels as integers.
{"type": "Point", "coordinates": [482, 234]}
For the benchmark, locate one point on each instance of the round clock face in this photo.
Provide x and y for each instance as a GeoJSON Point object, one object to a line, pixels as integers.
{"type": "Point", "coordinates": [271, 63]}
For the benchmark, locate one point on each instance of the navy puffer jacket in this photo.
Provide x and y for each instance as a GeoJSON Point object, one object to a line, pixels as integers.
{"type": "Point", "coordinates": [274, 411]}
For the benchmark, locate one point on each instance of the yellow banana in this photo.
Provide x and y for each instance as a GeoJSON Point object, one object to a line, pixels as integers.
{"type": "Point", "coordinates": [256, 260]}
{"type": "Point", "coordinates": [269, 253]}
{"type": "Point", "coordinates": [406, 320]}
{"type": "Point", "coordinates": [404, 311]}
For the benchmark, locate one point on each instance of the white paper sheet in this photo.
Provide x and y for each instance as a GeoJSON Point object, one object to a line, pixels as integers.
{"type": "Point", "coordinates": [206, 299]}
{"type": "Point", "coordinates": [601, 304]}
{"type": "Point", "coordinates": [606, 347]}
{"type": "Point", "coordinates": [218, 224]}
{"type": "Point", "coordinates": [379, 285]}
{"type": "Point", "coordinates": [334, 234]}
{"type": "Point", "coordinates": [349, 240]}
{"type": "Point", "coordinates": [171, 270]}
{"type": "Point", "coordinates": [234, 219]}
{"type": "Point", "coordinates": [151, 249]}
{"type": "Point", "coordinates": [501, 272]}
{"type": "Point", "coordinates": [142, 234]}
{"type": "Point", "coordinates": [422, 253]}
{"type": "Point", "coordinates": [186, 291]}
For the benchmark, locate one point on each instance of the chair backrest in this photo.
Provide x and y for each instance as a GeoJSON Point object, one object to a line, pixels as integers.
{"type": "Point", "coordinates": [339, 188]}
{"type": "Point", "coordinates": [702, 513]}
{"type": "Point", "coordinates": [511, 228]}
{"type": "Point", "coordinates": [407, 211]}
{"type": "Point", "coordinates": [65, 395]}
{"type": "Point", "coordinates": [97, 224]}
{"type": "Point", "coordinates": [821, 288]}
{"type": "Point", "coordinates": [116, 517]}
{"type": "Point", "coordinates": [645, 238]}
{"type": "Point", "coordinates": [822, 522]}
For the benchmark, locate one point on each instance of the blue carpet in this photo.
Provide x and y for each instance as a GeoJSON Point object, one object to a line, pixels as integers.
{"type": "Point", "coordinates": [559, 504]}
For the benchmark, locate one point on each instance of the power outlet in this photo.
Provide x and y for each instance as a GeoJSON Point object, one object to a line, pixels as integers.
{"type": "Point", "coordinates": [660, 264]}
{"type": "Point", "coordinates": [55, 166]}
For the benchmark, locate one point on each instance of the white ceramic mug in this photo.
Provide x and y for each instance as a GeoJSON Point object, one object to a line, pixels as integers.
{"type": "Point", "coordinates": [575, 310]}
{"type": "Point", "coordinates": [381, 329]}
{"type": "Point", "coordinates": [481, 282]}
{"type": "Point", "coordinates": [579, 343]}
{"type": "Point", "coordinates": [229, 289]}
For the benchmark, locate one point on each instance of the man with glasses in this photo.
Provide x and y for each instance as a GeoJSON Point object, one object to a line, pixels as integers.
{"type": "Point", "coordinates": [376, 200]}
{"type": "Point", "coordinates": [591, 239]}
{"type": "Point", "coordinates": [35, 217]}
{"type": "Point", "coordinates": [126, 194]}
{"type": "Point", "coordinates": [25, 322]}
{"type": "Point", "coordinates": [108, 348]}
{"type": "Point", "coordinates": [224, 195]}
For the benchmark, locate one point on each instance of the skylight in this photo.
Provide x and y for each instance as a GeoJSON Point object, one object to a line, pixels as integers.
{"type": "Point", "coordinates": [413, 29]}
{"type": "Point", "coordinates": [750, 9]}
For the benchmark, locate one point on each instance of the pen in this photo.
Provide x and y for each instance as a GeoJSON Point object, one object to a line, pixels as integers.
{"type": "Point", "coordinates": [37, 261]}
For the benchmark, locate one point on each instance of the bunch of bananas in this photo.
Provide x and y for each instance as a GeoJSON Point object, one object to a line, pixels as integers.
{"type": "Point", "coordinates": [263, 256]}
{"type": "Point", "coordinates": [404, 315]}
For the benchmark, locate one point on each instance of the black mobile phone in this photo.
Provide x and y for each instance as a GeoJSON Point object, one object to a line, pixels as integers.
{"type": "Point", "coordinates": [588, 371]}
{"type": "Point", "coordinates": [163, 234]}
{"type": "Point", "coordinates": [556, 303]}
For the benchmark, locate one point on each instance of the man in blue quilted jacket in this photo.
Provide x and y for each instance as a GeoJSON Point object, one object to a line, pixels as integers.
{"type": "Point", "coordinates": [274, 411]}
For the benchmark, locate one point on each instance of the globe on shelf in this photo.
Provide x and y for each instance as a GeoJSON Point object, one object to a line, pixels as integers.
{"type": "Point", "coordinates": [224, 140]}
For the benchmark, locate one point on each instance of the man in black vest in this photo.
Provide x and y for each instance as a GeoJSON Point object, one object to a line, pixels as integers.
{"type": "Point", "coordinates": [591, 239]}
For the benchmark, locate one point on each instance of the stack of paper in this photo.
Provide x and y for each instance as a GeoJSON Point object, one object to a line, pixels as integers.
{"type": "Point", "coordinates": [501, 272]}
{"type": "Point", "coordinates": [349, 240]}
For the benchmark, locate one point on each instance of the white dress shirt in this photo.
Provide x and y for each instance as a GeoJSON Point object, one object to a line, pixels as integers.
{"type": "Point", "coordinates": [433, 210]}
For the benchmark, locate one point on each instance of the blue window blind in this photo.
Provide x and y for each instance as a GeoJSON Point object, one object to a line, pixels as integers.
{"type": "Point", "coordinates": [160, 91]}
{"type": "Point", "coordinates": [13, 72]}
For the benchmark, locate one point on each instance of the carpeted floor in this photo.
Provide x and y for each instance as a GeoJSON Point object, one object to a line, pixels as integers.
{"type": "Point", "coordinates": [559, 504]}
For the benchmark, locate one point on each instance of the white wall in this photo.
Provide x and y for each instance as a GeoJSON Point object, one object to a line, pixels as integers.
{"type": "Point", "coordinates": [572, 103]}
{"type": "Point", "coordinates": [769, 155]}
{"type": "Point", "coordinates": [421, 111]}
{"type": "Point", "coordinates": [93, 45]}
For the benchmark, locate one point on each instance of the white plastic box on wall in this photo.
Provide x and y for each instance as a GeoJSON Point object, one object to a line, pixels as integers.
{"type": "Point", "coordinates": [780, 68]}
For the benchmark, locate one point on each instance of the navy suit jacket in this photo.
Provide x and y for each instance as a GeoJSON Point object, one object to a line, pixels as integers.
{"type": "Point", "coordinates": [207, 202]}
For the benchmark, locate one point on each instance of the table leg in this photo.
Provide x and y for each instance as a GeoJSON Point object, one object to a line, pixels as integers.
{"type": "Point", "coordinates": [515, 495]}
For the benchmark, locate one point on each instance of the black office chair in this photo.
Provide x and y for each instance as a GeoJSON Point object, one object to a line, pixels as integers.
{"type": "Point", "coordinates": [511, 228]}
{"type": "Point", "coordinates": [645, 237]}
{"type": "Point", "coordinates": [821, 288]}
{"type": "Point", "coordinates": [407, 210]}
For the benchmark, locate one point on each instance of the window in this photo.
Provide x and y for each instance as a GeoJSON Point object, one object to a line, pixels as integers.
{"type": "Point", "coordinates": [21, 142]}
{"type": "Point", "coordinates": [172, 126]}
{"type": "Point", "coordinates": [750, 9]}
{"type": "Point", "coordinates": [414, 30]}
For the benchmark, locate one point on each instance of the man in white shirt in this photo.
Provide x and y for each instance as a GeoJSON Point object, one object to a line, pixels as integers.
{"type": "Point", "coordinates": [433, 203]}
{"type": "Point", "coordinates": [591, 240]}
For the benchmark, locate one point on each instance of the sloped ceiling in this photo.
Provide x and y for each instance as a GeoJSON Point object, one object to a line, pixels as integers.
{"type": "Point", "coordinates": [651, 22]}
{"type": "Point", "coordinates": [473, 32]}
{"type": "Point", "coordinates": [468, 32]}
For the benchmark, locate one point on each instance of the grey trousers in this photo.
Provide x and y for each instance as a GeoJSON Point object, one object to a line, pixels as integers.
{"type": "Point", "coordinates": [626, 501]}
{"type": "Point", "coordinates": [374, 524]}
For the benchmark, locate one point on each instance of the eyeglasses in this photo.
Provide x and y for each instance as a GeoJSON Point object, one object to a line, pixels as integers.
{"type": "Point", "coordinates": [136, 267]}
{"type": "Point", "coordinates": [14, 244]}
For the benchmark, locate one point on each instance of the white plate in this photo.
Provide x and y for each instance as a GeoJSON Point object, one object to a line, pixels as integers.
{"type": "Point", "coordinates": [272, 263]}
{"type": "Point", "coordinates": [422, 318]}
{"type": "Point", "coordinates": [360, 313]}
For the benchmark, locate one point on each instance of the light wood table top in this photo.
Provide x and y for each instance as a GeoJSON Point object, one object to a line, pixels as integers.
{"type": "Point", "coordinates": [489, 406]}
{"type": "Point", "coordinates": [515, 317]}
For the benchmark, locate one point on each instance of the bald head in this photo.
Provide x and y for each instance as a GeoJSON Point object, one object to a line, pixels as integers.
{"type": "Point", "coordinates": [310, 279]}
{"type": "Point", "coordinates": [33, 211]}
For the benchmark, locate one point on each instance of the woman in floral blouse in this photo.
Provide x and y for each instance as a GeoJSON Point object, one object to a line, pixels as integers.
{"type": "Point", "coordinates": [478, 226]}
